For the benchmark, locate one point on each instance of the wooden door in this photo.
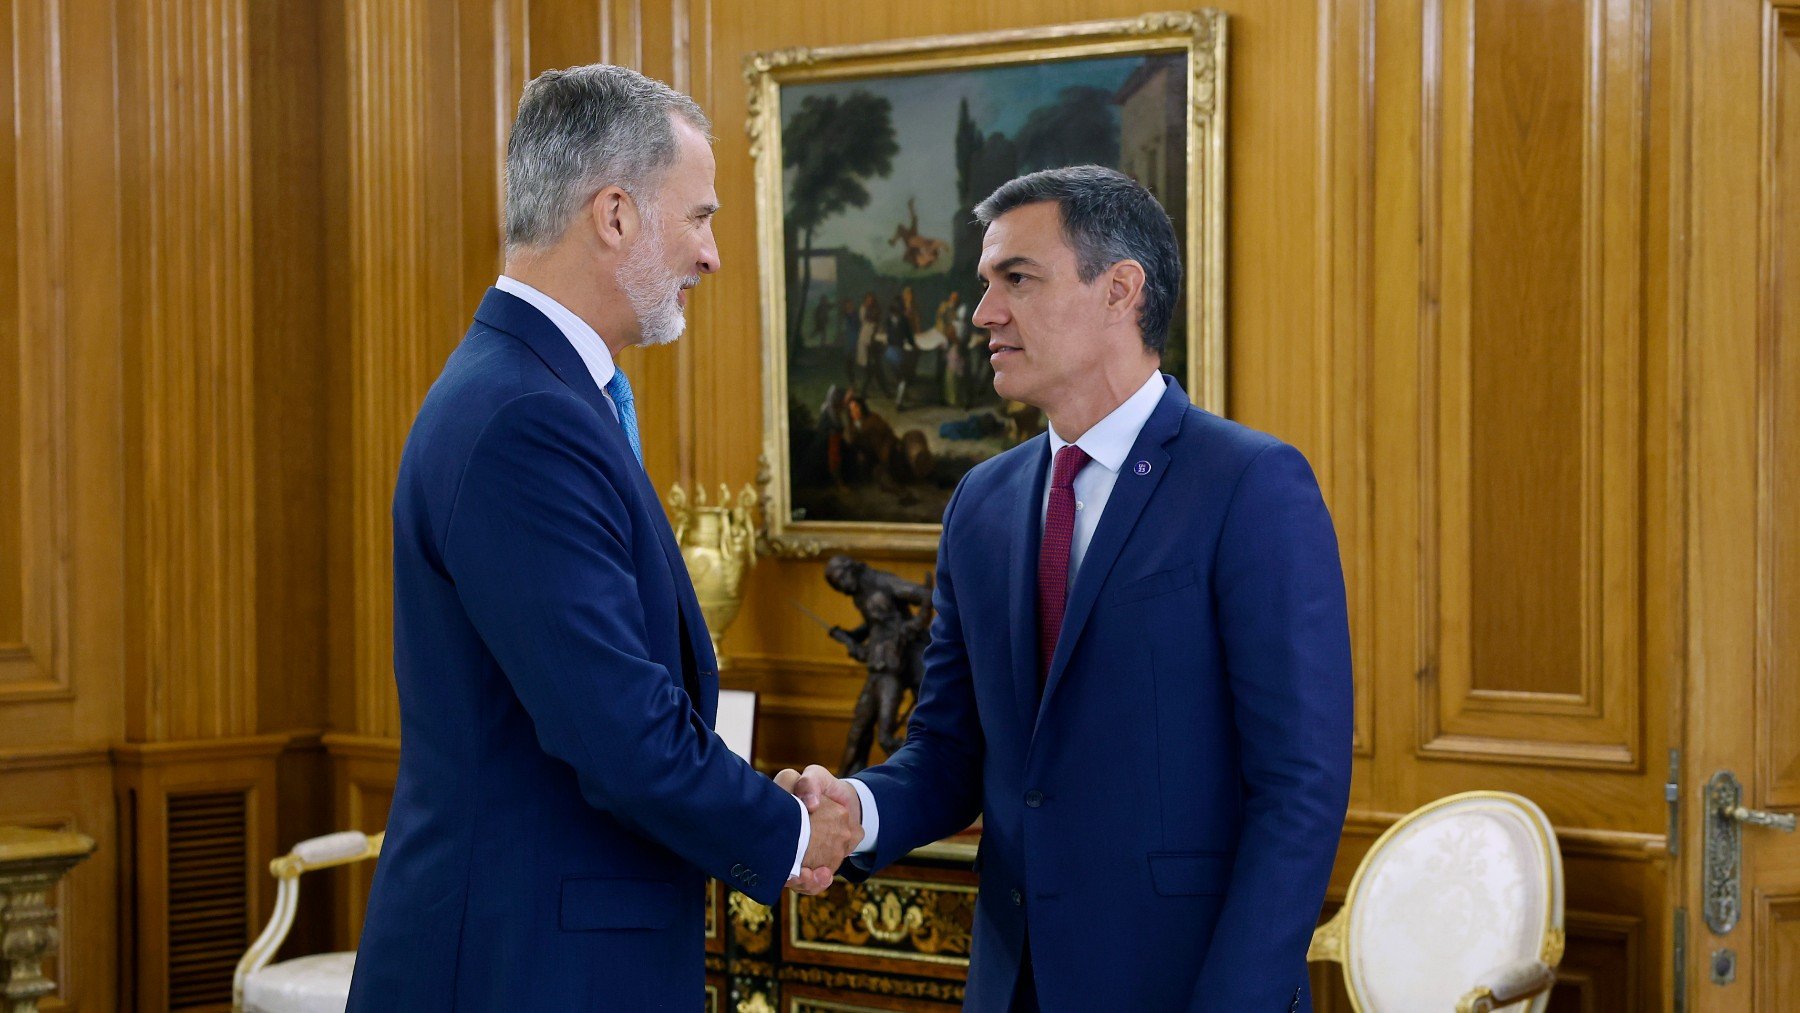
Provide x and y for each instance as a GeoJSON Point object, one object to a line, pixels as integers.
{"type": "Point", "coordinates": [1742, 907]}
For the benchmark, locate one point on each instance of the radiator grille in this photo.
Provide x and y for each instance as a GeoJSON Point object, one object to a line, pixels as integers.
{"type": "Point", "coordinates": [209, 925]}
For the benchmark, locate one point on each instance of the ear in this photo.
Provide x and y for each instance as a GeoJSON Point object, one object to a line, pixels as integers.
{"type": "Point", "coordinates": [613, 215]}
{"type": "Point", "coordinates": [1124, 290]}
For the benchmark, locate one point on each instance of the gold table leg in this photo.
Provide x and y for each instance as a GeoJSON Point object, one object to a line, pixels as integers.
{"type": "Point", "coordinates": [31, 863]}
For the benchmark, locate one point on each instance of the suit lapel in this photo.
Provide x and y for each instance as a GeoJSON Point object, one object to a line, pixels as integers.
{"type": "Point", "coordinates": [506, 312]}
{"type": "Point", "coordinates": [1027, 534]}
{"type": "Point", "coordinates": [1131, 491]}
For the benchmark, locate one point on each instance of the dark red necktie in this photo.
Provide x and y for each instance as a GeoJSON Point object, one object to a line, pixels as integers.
{"type": "Point", "coordinates": [1053, 554]}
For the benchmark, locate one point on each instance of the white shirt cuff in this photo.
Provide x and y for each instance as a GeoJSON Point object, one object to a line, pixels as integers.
{"type": "Point", "coordinates": [871, 818]}
{"type": "Point", "coordinates": [805, 837]}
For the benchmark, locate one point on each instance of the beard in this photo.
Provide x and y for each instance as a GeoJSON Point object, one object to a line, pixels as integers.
{"type": "Point", "coordinates": [652, 289]}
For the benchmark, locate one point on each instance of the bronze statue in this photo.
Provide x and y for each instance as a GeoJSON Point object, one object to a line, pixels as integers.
{"type": "Point", "coordinates": [891, 645]}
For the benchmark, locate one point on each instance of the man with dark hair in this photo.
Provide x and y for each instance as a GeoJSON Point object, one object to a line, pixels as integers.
{"type": "Point", "coordinates": [1139, 672]}
{"type": "Point", "coordinates": [562, 796]}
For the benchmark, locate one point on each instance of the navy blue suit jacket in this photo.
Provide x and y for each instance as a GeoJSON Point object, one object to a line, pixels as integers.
{"type": "Point", "coordinates": [561, 795]}
{"type": "Point", "coordinates": [1160, 823]}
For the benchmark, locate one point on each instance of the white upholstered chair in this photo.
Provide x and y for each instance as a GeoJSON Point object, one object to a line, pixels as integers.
{"type": "Point", "coordinates": [319, 983]}
{"type": "Point", "coordinates": [1459, 906]}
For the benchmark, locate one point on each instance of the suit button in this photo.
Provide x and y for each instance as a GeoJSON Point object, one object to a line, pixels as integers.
{"type": "Point", "coordinates": [1034, 798]}
{"type": "Point", "coordinates": [1017, 898]}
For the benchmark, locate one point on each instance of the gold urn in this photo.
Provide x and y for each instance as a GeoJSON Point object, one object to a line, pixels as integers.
{"type": "Point", "coordinates": [718, 543]}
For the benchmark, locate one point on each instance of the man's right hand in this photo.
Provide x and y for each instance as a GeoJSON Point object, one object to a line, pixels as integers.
{"type": "Point", "coordinates": [836, 813]}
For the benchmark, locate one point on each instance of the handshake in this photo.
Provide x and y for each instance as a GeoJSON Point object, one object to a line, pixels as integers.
{"type": "Point", "coordinates": [837, 830]}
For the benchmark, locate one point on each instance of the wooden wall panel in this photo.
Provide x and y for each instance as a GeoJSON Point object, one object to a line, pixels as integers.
{"type": "Point", "coordinates": [292, 400]}
{"type": "Point", "coordinates": [1778, 661]}
{"type": "Point", "coordinates": [422, 130]}
{"type": "Point", "coordinates": [189, 359]}
{"type": "Point", "coordinates": [1526, 343]}
{"type": "Point", "coordinates": [1344, 340]}
{"type": "Point", "coordinates": [1777, 961]}
{"type": "Point", "coordinates": [61, 696]}
{"type": "Point", "coordinates": [33, 419]}
{"type": "Point", "coordinates": [391, 311]}
{"type": "Point", "coordinates": [1533, 177]}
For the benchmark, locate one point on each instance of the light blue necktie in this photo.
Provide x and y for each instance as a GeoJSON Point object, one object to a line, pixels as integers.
{"type": "Point", "coordinates": [619, 389]}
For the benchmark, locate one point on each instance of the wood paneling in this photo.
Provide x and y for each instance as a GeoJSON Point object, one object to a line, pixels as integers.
{"type": "Point", "coordinates": [1531, 349]}
{"type": "Point", "coordinates": [1778, 947]}
{"type": "Point", "coordinates": [1778, 657]}
{"type": "Point", "coordinates": [1736, 218]}
{"type": "Point", "coordinates": [1602, 967]}
{"type": "Point", "coordinates": [148, 778]}
{"type": "Point", "coordinates": [61, 695]}
{"type": "Point", "coordinates": [1527, 290]}
{"type": "Point", "coordinates": [1345, 245]}
{"type": "Point", "coordinates": [33, 420]}
{"type": "Point", "coordinates": [391, 312]}
{"type": "Point", "coordinates": [189, 353]}
{"type": "Point", "coordinates": [423, 130]}
{"type": "Point", "coordinates": [287, 219]}
{"type": "Point", "coordinates": [1448, 281]}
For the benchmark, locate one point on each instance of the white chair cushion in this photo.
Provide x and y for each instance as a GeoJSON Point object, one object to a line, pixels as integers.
{"type": "Point", "coordinates": [316, 984]}
{"type": "Point", "coordinates": [1450, 897]}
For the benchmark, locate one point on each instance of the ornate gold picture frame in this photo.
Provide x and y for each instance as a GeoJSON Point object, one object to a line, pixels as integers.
{"type": "Point", "coordinates": [868, 160]}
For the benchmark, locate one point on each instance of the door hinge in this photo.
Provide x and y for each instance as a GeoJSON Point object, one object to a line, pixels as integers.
{"type": "Point", "coordinates": [1672, 795]}
{"type": "Point", "coordinates": [1679, 985]}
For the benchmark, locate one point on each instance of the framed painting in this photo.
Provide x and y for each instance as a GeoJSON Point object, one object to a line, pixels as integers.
{"type": "Point", "coordinates": [869, 161]}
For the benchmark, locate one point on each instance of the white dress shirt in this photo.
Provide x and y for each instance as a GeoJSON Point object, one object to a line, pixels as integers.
{"type": "Point", "coordinates": [1108, 443]}
{"type": "Point", "coordinates": [599, 361]}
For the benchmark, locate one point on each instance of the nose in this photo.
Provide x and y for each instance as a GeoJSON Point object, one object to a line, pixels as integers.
{"type": "Point", "coordinates": [991, 310]}
{"type": "Point", "coordinates": [708, 260]}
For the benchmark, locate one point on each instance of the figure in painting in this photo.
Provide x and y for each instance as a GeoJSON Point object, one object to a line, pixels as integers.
{"type": "Point", "coordinates": [920, 251]}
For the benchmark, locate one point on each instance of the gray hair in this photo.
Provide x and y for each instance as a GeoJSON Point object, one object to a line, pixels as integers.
{"type": "Point", "coordinates": [579, 131]}
{"type": "Point", "coordinates": [1106, 217]}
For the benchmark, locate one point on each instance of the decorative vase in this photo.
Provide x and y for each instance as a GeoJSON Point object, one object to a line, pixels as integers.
{"type": "Point", "coordinates": [718, 543]}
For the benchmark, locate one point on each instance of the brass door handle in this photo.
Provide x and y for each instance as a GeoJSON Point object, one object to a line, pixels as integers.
{"type": "Point", "coordinates": [1783, 822]}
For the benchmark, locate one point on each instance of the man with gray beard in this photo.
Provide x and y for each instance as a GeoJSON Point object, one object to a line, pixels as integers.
{"type": "Point", "coordinates": [562, 796]}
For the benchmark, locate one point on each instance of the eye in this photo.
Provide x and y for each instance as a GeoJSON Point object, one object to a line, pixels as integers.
{"type": "Point", "coordinates": [1015, 279]}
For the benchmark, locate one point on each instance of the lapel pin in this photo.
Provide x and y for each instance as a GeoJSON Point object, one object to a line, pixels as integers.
{"type": "Point", "coordinates": [1143, 467]}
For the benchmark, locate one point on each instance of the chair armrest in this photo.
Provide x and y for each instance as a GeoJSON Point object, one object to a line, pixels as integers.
{"type": "Point", "coordinates": [1328, 939]}
{"type": "Point", "coordinates": [1507, 984]}
{"type": "Point", "coordinates": [341, 848]}
{"type": "Point", "coordinates": [324, 852]}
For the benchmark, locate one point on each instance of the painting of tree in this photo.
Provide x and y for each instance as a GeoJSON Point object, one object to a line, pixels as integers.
{"type": "Point", "coordinates": [832, 146]}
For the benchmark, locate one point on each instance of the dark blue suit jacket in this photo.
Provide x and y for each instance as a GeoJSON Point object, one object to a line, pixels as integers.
{"type": "Point", "coordinates": [1161, 823]}
{"type": "Point", "coordinates": [561, 795]}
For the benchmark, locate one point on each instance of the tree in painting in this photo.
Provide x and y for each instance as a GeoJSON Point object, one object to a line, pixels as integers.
{"type": "Point", "coordinates": [832, 145]}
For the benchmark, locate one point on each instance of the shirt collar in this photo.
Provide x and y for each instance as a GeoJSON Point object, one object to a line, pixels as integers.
{"type": "Point", "coordinates": [1109, 441]}
{"type": "Point", "coordinates": [593, 351]}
